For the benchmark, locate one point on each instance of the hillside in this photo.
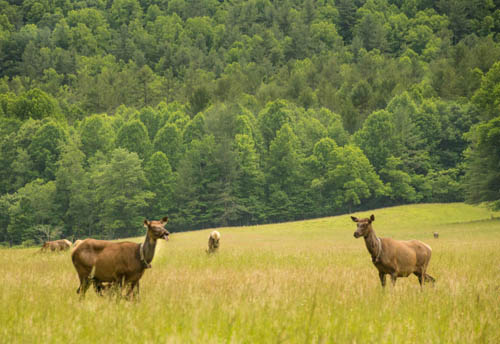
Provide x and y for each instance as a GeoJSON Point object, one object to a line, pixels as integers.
{"type": "Point", "coordinates": [400, 222]}
{"type": "Point", "coordinates": [307, 281]}
{"type": "Point", "coordinates": [232, 113]}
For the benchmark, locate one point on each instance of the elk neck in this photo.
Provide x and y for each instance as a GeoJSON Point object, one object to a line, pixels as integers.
{"type": "Point", "coordinates": [148, 248]}
{"type": "Point", "coordinates": [373, 244]}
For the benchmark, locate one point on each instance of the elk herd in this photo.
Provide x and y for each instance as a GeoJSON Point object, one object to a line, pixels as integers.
{"type": "Point", "coordinates": [107, 264]}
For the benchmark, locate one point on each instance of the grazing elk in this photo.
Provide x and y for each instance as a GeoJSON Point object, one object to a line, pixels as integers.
{"type": "Point", "coordinates": [65, 244]}
{"type": "Point", "coordinates": [56, 245]}
{"type": "Point", "coordinates": [213, 242]}
{"type": "Point", "coordinates": [122, 263]}
{"type": "Point", "coordinates": [394, 257]}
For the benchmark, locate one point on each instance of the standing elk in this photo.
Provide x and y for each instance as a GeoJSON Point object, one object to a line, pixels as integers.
{"type": "Point", "coordinates": [394, 257]}
{"type": "Point", "coordinates": [213, 242]}
{"type": "Point", "coordinates": [436, 235]}
{"type": "Point", "coordinates": [121, 263]}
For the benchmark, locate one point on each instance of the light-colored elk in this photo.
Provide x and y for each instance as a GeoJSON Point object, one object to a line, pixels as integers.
{"type": "Point", "coordinates": [213, 242]}
{"type": "Point", "coordinates": [56, 245]}
{"type": "Point", "coordinates": [396, 258]}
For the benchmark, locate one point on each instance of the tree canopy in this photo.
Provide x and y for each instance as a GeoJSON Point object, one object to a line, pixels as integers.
{"type": "Point", "coordinates": [241, 112]}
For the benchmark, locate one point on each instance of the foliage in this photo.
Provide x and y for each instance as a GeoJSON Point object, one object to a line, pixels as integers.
{"type": "Point", "coordinates": [482, 179]}
{"type": "Point", "coordinates": [244, 112]}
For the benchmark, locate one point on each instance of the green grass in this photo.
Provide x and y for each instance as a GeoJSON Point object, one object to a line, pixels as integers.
{"type": "Point", "coordinates": [298, 282]}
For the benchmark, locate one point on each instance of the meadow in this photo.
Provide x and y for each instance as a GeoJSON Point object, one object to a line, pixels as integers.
{"type": "Point", "coordinates": [298, 282]}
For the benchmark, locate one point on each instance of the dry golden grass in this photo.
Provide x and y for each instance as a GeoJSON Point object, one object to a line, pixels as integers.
{"type": "Point", "coordinates": [308, 281]}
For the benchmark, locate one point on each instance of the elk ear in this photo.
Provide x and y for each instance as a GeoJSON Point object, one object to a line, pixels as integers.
{"type": "Point", "coordinates": [146, 223]}
{"type": "Point", "coordinates": [355, 219]}
{"type": "Point", "coordinates": [372, 218]}
{"type": "Point", "coordinates": [164, 220]}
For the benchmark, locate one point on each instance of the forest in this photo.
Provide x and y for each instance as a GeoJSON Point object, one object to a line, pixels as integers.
{"type": "Point", "coordinates": [224, 113]}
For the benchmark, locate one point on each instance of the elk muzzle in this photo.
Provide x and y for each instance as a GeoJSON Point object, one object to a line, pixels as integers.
{"type": "Point", "coordinates": [165, 235]}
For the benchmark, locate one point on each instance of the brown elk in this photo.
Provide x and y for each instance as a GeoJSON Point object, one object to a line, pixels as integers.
{"type": "Point", "coordinates": [56, 245]}
{"type": "Point", "coordinates": [213, 242]}
{"type": "Point", "coordinates": [436, 235]}
{"type": "Point", "coordinates": [394, 257]}
{"type": "Point", "coordinates": [121, 263]}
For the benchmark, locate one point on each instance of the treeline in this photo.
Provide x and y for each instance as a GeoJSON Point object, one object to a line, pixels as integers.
{"type": "Point", "coordinates": [242, 112]}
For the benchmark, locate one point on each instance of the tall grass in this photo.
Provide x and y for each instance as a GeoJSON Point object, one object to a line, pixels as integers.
{"type": "Point", "coordinates": [299, 282]}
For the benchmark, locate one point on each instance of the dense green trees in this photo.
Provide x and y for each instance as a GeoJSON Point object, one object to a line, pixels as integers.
{"type": "Point", "coordinates": [242, 112]}
{"type": "Point", "coordinates": [483, 155]}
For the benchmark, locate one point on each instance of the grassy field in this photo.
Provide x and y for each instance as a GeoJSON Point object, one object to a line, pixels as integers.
{"type": "Point", "coordinates": [298, 282]}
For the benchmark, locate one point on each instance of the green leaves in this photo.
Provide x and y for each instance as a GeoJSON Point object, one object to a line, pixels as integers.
{"type": "Point", "coordinates": [483, 159]}
{"type": "Point", "coordinates": [45, 149]}
{"type": "Point", "coordinates": [244, 112]}
{"type": "Point", "coordinates": [133, 136]}
{"type": "Point", "coordinates": [350, 172]}
{"type": "Point", "coordinates": [97, 134]}
{"type": "Point", "coordinates": [122, 194]}
{"type": "Point", "coordinates": [487, 98]}
{"type": "Point", "coordinates": [31, 206]}
{"type": "Point", "coordinates": [161, 182]}
{"type": "Point", "coordinates": [377, 138]}
{"type": "Point", "coordinates": [35, 104]}
{"type": "Point", "coordinates": [482, 178]}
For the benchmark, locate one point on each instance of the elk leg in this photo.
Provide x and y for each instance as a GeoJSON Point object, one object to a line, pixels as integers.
{"type": "Point", "coordinates": [421, 278]}
{"type": "Point", "coordinates": [136, 290]}
{"type": "Point", "coordinates": [381, 275]}
{"type": "Point", "coordinates": [393, 279]}
{"type": "Point", "coordinates": [116, 289]}
{"type": "Point", "coordinates": [83, 276]}
{"type": "Point", "coordinates": [429, 278]}
{"type": "Point", "coordinates": [84, 285]}
{"type": "Point", "coordinates": [131, 293]}
{"type": "Point", "coordinates": [98, 287]}
{"type": "Point", "coordinates": [118, 285]}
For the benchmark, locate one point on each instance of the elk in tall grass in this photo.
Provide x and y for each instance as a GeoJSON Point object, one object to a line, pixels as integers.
{"type": "Point", "coordinates": [213, 242]}
{"type": "Point", "coordinates": [396, 258]}
{"type": "Point", "coordinates": [56, 245]}
{"type": "Point", "coordinates": [120, 263]}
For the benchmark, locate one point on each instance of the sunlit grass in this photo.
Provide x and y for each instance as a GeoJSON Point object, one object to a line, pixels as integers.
{"type": "Point", "coordinates": [307, 281]}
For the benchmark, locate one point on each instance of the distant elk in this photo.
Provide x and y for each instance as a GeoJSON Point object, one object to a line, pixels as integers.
{"type": "Point", "coordinates": [436, 235]}
{"type": "Point", "coordinates": [104, 263]}
{"type": "Point", "coordinates": [56, 245]}
{"type": "Point", "coordinates": [394, 257]}
{"type": "Point", "coordinates": [213, 242]}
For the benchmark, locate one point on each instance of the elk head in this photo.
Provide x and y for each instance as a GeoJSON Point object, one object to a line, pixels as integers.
{"type": "Point", "coordinates": [156, 229]}
{"type": "Point", "coordinates": [364, 226]}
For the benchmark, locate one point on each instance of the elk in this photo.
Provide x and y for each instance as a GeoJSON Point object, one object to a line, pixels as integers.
{"type": "Point", "coordinates": [65, 244]}
{"type": "Point", "coordinates": [394, 257]}
{"type": "Point", "coordinates": [121, 263]}
{"type": "Point", "coordinates": [436, 235]}
{"type": "Point", "coordinates": [213, 242]}
{"type": "Point", "coordinates": [57, 245]}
